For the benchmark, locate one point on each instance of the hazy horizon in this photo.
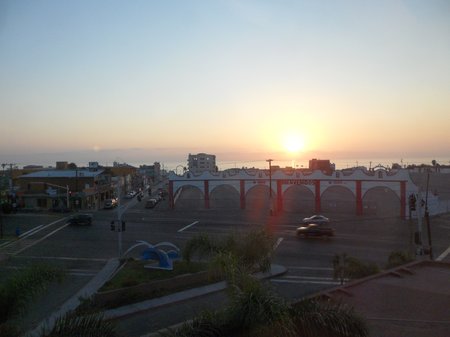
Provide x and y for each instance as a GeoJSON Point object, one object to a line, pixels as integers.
{"type": "Point", "coordinates": [243, 79]}
{"type": "Point", "coordinates": [171, 158]}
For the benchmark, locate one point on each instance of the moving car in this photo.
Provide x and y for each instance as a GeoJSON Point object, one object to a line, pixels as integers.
{"type": "Point", "coordinates": [80, 219]}
{"type": "Point", "coordinates": [131, 195]}
{"type": "Point", "coordinates": [110, 203]}
{"type": "Point", "coordinates": [316, 219]}
{"type": "Point", "coordinates": [314, 230]}
{"type": "Point", "coordinates": [151, 203]}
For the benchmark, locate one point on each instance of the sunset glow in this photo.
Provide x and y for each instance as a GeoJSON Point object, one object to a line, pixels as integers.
{"type": "Point", "coordinates": [293, 143]}
{"type": "Point", "coordinates": [244, 80]}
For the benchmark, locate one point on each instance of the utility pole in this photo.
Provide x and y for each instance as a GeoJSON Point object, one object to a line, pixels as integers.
{"type": "Point", "coordinates": [270, 176]}
{"type": "Point", "coordinates": [11, 166]}
{"type": "Point", "coordinates": [419, 224]}
{"type": "Point", "coordinates": [119, 221]}
{"type": "Point", "coordinates": [270, 184]}
{"type": "Point", "coordinates": [427, 217]}
{"type": "Point", "coordinates": [67, 196]}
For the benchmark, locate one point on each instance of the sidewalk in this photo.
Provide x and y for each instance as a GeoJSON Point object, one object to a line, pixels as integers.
{"type": "Point", "coordinates": [88, 290]}
{"type": "Point", "coordinates": [106, 273]}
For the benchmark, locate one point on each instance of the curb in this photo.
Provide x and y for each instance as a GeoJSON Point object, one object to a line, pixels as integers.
{"type": "Point", "coordinates": [182, 295]}
{"type": "Point", "coordinates": [276, 270]}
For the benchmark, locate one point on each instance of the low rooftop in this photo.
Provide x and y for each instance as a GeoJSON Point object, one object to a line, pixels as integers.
{"type": "Point", "coordinates": [80, 173]}
{"type": "Point", "coordinates": [410, 301]}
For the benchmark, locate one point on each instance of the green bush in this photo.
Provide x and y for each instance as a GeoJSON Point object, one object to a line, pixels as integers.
{"type": "Point", "coordinates": [398, 258]}
{"type": "Point", "coordinates": [349, 268]}
{"type": "Point", "coordinates": [134, 273]}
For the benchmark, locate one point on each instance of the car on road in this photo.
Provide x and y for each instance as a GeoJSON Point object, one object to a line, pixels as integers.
{"type": "Point", "coordinates": [151, 203]}
{"type": "Point", "coordinates": [110, 203]}
{"type": "Point", "coordinates": [131, 195]}
{"type": "Point", "coordinates": [80, 219]}
{"type": "Point", "coordinates": [314, 230]}
{"type": "Point", "coordinates": [316, 219]}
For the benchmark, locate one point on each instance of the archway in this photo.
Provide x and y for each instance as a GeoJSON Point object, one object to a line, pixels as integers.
{"type": "Point", "coordinates": [381, 201]}
{"type": "Point", "coordinates": [224, 197]}
{"type": "Point", "coordinates": [258, 198]}
{"type": "Point", "coordinates": [191, 197]}
{"type": "Point", "coordinates": [338, 199]}
{"type": "Point", "coordinates": [298, 198]}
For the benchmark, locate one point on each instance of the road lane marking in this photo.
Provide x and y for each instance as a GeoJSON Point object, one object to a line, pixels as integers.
{"type": "Point", "coordinates": [277, 243]}
{"type": "Point", "coordinates": [63, 258]}
{"type": "Point", "coordinates": [192, 224]}
{"type": "Point", "coordinates": [40, 240]}
{"type": "Point", "coordinates": [305, 281]}
{"type": "Point", "coordinates": [31, 231]}
{"type": "Point", "coordinates": [82, 272]}
{"type": "Point", "coordinates": [307, 278]}
{"type": "Point", "coordinates": [444, 254]}
{"type": "Point", "coordinates": [309, 268]}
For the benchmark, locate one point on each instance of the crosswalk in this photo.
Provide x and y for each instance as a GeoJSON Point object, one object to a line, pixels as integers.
{"type": "Point", "coordinates": [14, 247]}
{"type": "Point", "coordinates": [306, 280]}
{"type": "Point", "coordinates": [307, 275]}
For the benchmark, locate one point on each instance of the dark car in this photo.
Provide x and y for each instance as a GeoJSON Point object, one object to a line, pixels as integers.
{"type": "Point", "coordinates": [151, 203]}
{"type": "Point", "coordinates": [314, 230]}
{"type": "Point", "coordinates": [110, 203]}
{"type": "Point", "coordinates": [317, 219]}
{"type": "Point", "coordinates": [81, 219]}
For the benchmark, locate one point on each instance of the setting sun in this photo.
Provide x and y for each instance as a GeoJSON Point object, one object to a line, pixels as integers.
{"type": "Point", "coordinates": [293, 143]}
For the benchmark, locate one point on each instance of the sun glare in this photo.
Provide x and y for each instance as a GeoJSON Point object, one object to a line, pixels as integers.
{"type": "Point", "coordinates": [293, 143]}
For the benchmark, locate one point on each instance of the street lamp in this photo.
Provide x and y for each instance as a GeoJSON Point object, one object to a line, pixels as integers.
{"type": "Point", "coordinates": [427, 217]}
{"type": "Point", "coordinates": [270, 176]}
{"type": "Point", "coordinates": [270, 184]}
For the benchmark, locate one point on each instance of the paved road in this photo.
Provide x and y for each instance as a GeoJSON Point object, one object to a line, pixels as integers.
{"type": "Point", "coordinates": [84, 250]}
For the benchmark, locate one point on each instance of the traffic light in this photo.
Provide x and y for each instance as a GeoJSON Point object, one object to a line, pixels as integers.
{"type": "Point", "coordinates": [113, 227]}
{"type": "Point", "coordinates": [412, 202]}
{"type": "Point", "coordinates": [123, 226]}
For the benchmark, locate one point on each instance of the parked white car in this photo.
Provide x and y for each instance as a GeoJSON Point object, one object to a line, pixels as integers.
{"type": "Point", "coordinates": [316, 219]}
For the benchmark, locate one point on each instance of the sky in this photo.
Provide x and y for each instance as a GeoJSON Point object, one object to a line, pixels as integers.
{"type": "Point", "coordinates": [144, 81]}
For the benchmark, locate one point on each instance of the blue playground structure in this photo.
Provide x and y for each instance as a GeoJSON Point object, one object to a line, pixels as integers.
{"type": "Point", "coordinates": [164, 258]}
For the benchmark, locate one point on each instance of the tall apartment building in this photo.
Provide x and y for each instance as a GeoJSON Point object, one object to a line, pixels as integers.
{"type": "Point", "coordinates": [202, 162]}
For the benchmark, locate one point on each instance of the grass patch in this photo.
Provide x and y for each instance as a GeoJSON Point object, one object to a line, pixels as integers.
{"type": "Point", "coordinates": [134, 273]}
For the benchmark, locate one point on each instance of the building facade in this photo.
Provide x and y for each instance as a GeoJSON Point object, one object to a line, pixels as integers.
{"type": "Point", "coordinates": [55, 189]}
{"type": "Point", "coordinates": [202, 162]}
{"type": "Point", "coordinates": [361, 192]}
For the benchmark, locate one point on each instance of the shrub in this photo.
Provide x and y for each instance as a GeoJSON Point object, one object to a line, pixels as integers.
{"type": "Point", "coordinates": [397, 258]}
{"type": "Point", "coordinates": [73, 325]}
{"type": "Point", "coordinates": [347, 267]}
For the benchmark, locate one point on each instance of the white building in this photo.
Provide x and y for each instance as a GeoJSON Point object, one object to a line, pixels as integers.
{"type": "Point", "coordinates": [202, 162]}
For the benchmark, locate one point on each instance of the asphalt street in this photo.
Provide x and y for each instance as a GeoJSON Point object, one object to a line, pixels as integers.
{"type": "Point", "coordinates": [83, 251]}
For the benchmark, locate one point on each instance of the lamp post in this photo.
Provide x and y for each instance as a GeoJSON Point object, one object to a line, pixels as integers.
{"type": "Point", "coordinates": [270, 176]}
{"type": "Point", "coordinates": [270, 184]}
{"type": "Point", "coordinates": [427, 217]}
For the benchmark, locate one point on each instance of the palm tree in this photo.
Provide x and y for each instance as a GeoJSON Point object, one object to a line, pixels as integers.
{"type": "Point", "coordinates": [74, 324]}
{"type": "Point", "coordinates": [314, 318]}
{"type": "Point", "coordinates": [254, 310]}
